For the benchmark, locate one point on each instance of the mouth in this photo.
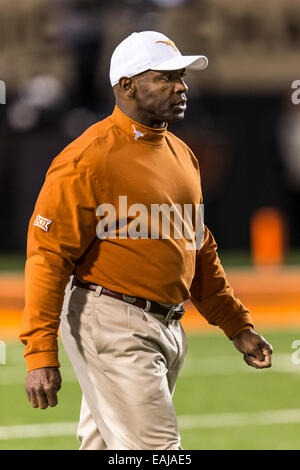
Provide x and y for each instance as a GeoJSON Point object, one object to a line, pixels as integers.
{"type": "Point", "coordinates": [180, 105]}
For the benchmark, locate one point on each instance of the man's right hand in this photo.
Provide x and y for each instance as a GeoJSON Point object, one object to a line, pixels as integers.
{"type": "Point", "coordinates": [42, 386]}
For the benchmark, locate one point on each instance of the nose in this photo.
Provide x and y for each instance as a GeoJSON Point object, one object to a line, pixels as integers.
{"type": "Point", "coordinates": [181, 86]}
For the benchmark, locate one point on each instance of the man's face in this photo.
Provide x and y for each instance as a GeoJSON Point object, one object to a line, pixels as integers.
{"type": "Point", "coordinates": [161, 95]}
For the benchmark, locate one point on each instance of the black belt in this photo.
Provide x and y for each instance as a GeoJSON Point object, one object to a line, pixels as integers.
{"type": "Point", "coordinates": [171, 313]}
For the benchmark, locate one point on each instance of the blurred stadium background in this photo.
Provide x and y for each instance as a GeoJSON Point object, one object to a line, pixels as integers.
{"type": "Point", "coordinates": [245, 131]}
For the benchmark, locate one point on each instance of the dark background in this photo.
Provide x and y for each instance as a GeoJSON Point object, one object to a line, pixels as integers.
{"type": "Point", "coordinates": [240, 123]}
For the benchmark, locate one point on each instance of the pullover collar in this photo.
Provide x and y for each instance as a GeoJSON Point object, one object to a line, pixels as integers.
{"type": "Point", "coordinates": [139, 132]}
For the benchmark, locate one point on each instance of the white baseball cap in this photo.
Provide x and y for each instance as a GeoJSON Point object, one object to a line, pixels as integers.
{"type": "Point", "coordinates": [149, 50]}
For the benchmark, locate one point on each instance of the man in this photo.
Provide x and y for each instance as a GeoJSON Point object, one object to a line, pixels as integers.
{"type": "Point", "coordinates": [120, 322]}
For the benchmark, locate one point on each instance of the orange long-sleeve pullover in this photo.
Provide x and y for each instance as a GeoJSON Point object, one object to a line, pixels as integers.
{"type": "Point", "coordinates": [118, 157]}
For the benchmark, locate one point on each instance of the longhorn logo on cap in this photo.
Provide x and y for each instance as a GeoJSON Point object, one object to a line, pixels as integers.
{"type": "Point", "coordinates": [169, 43]}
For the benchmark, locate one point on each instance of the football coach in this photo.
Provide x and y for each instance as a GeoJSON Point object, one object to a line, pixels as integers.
{"type": "Point", "coordinates": [102, 266]}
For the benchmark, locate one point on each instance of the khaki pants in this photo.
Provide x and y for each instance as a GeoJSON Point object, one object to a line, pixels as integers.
{"type": "Point", "coordinates": [127, 362]}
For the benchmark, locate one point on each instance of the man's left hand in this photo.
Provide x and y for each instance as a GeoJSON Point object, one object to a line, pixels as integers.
{"type": "Point", "coordinates": [256, 350]}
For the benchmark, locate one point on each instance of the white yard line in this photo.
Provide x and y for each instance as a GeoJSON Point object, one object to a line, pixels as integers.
{"type": "Point", "coordinates": [14, 376]}
{"type": "Point", "coordinates": [193, 366]}
{"type": "Point", "coordinates": [256, 418]}
{"type": "Point", "coordinates": [226, 365]}
{"type": "Point", "coordinates": [28, 431]}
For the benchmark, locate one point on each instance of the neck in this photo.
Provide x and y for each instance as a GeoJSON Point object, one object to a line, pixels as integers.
{"type": "Point", "coordinates": [141, 117]}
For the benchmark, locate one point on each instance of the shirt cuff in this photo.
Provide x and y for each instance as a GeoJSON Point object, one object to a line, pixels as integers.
{"type": "Point", "coordinates": [246, 327]}
{"type": "Point", "coordinates": [42, 359]}
{"type": "Point", "coordinates": [234, 325]}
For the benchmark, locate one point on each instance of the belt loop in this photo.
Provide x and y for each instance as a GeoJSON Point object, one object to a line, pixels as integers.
{"type": "Point", "coordinates": [148, 305]}
{"type": "Point", "coordinates": [98, 291]}
{"type": "Point", "coordinates": [71, 283]}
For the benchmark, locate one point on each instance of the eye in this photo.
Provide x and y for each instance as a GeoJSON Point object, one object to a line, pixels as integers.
{"type": "Point", "coordinates": [171, 76]}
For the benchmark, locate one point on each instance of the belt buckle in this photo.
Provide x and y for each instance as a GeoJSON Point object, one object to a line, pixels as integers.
{"type": "Point", "coordinates": [129, 298]}
{"type": "Point", "coordinates": [175, 313]}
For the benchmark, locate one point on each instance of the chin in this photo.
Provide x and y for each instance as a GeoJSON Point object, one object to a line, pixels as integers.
{"type": "Point", "coordinates": [175, 117]}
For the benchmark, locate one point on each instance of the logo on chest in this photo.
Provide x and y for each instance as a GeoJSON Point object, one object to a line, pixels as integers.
{"type": "Point", "coordinates": [137, 134]}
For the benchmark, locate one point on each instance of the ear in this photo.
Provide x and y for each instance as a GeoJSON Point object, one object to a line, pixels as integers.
{"type": "Point", "coordinates": [128, 86]}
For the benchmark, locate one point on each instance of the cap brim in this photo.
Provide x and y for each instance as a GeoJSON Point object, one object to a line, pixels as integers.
{"type": "Point", "coordinates": [195, 62]}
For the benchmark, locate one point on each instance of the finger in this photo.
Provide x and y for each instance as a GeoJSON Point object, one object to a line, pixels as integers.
{"type": "Point", "coordinates": [258, 354]}
{"type": "Point", "coordinates": [267, 350]}
{"type": "Point", "coordinates": [32, 398]}
{"type": "Point", "coordinates": [28, 393]}
{"type": "Point", "coordinates": [267, 357]}
{"type": "Point", "coordinates": [51, 393]}
{"type": "Point", "coordinates": [42, 399]}
{"type": "Point", "coordinates": [56, 384]}
{"type": "Point", "coordinates": [259, 364]}
{"type": "Point", "coordinates": [267, 362]}
{"type": "Point", "coordinates": [249, 360]}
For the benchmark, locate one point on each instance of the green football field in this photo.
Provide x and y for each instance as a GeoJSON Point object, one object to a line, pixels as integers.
{"type": "Point", "coordinates": [221, 403]}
